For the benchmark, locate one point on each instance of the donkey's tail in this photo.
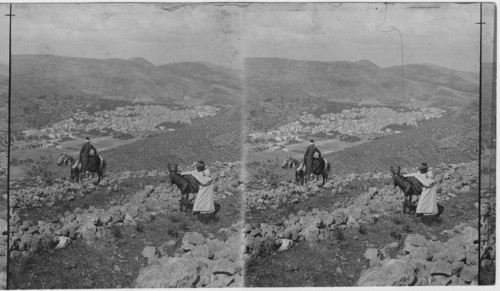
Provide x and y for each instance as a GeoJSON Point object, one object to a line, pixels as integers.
{"type": "Point", "coordinates": [103, 166]}
{"type": "Point", "coordinates": [327, 166]}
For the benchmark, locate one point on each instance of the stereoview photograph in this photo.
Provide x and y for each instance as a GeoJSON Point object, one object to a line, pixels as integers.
{"type": "Point", "coordinates": [249, 145]}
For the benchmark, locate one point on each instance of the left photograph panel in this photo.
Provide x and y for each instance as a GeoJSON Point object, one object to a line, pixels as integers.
{"type": "Point", "coordinates": [4, 137]}
{"type": "Point", "coordinates": [126, 149]}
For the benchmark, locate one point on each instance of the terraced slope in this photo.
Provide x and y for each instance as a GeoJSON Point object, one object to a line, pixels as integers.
{"type": "Point", "coordinates": [216, 138]}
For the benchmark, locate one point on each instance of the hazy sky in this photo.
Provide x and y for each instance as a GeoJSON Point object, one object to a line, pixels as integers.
{"type": "Point", "coordinates": [4, 34]}
{"type": "Point", "coordinates": [445, 35]}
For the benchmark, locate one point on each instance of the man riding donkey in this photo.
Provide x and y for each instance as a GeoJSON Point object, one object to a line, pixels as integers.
{"type": "Point", "coordinates": [85, 154]}
{"type": "Point", "coordinates": [204, 204]}
{"type": "Point", "coordinates": [309, 159]}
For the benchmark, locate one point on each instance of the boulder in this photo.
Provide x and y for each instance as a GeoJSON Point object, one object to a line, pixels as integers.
{"type": "Point", "coordinates": [311, 234]}
{"type": "Point", "coordinates": [63, 242]}
{"type": "Point", "coordinates": [351, 222]}
{"type": "Point", "coordinates": [456, 267]}
{"type": "Point", "coordinates": [450, 254]}
{"type": "Point", "coordinates": [193, 238]}
{"type": "Point", "coordinates": [224, 266]}
{"type": "Point", "coordinates": [424, 277]}
{"type": "Point", "coordinates": [203, 251]}
{"type": "Point", "coordinates": [439, 280]}
{"type": "Point", "coordinates": [421, 253]}
{"type": "Point", "coordinates": [471, 255]}
{"type": "Point", "coordinates": [470, 234]}
{"type": "Point", "coordinates": [456, 281]}
{"type": "Point", "coordinates": [393, 272]}
{"type": "Point", "coordinates": [88, 231]}
{"type": "Point", "coordinates": [150, 254]}
{"type": "Point", "coordinates": [468, 274]}
{"type": "Point", "coordinates": [414, 240]}
{"type": "Point", "coordinates": [371, 253]}
{"type": "Point", "coordinates": [441, 267]}
{"type": "Point", "coordinates": [171, 272]}
{"type": "Point", "coordinates": [286, 244]}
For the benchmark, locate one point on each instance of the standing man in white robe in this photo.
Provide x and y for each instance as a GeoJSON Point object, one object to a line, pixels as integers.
{"type": "Point", "coordinates": [427, 205]}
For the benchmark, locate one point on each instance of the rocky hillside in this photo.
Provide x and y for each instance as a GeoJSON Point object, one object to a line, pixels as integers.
{"type": "Point", "coordinates": [443, 257]}
{"type": "Point", "coordinates": [55, 219]}
{"type": "Point", "coordinates": [203, 258]}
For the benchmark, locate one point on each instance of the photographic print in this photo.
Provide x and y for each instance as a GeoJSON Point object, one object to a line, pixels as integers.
{"type": "Point", "coordinates": [185, 145]}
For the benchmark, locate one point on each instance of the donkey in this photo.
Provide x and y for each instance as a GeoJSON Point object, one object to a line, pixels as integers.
{"type": "Point", "coordinates": [299, 167]}
{"type": "Point", "coordinates": [187, 184]}
{"type": "Point", "coordinates": [76, 166]}
{"type": "Point", "coordinates": [96, 165]}
{"type": "Point", "coordinates": [409, 185]}
{"type": "Point", "coordinates": [320, 167]}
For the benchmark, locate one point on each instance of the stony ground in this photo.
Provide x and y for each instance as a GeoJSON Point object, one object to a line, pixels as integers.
{"type": "Point", "coordinates": [127, 232]}
{"type": "Point", "coordinates": [352, 232]}
{"type": "Point", "coordinates": [124, 232]}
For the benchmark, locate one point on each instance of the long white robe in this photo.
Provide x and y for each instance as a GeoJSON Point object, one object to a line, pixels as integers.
{"type": "Point", "coordinates": [427, 204]}
{"type": "Point", "coordinates": [204, 202]}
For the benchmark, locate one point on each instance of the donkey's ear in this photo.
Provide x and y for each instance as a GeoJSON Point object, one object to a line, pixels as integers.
{"type": "Point", "coordinates": [169, 168]}
{"type": "Point", "coordinates": [175, 168]}
{"type": "Point", "coordinates": [392, 170]}
{"type": "Point", "coordinates": [399, 169]}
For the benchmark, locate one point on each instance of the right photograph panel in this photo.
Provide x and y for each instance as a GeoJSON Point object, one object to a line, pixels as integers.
{"type": "Point", "coordinates": [363, 144]}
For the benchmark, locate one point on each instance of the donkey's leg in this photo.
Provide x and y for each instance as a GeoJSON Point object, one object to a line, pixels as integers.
{"type": "Point", "coordinates": [184, 202]}
{"type": "Point", "coordinates": [181, 204]}
{"type": "Point", "coordinates": [99, 176]}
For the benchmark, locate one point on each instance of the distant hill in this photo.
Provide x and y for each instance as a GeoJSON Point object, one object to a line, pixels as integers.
{"type": "Point", "coordinates": [133, 79]}
{"type": "Point", "coordinates": [284, 79]}
{"type": "Point", "coordinates": [47, 88]}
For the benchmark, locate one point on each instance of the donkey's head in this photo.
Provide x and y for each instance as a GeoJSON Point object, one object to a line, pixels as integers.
{"type": "Point", "coordinates": [173, 173]}
{"type": "Point", "coordinates": [287, 162]}
{"type": "Point", "coordinates": [63, 159]}
{"type": "Point", "coordinates": [397, 178]}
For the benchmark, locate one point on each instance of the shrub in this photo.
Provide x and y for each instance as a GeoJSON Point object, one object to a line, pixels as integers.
{"type": "Point", "coordinates": [340, 235]}
{"type": "Point", "coordinates": [407, 228]}
{"type": "Point", "coordinates": [396, 235]}
{"type": "Point", "coordinates": [362, 229]}
{"type": "Point", "coordinates": [116, 232]}
{"type": "Point", "coordinates": [184, 226]}
{"type": "Point", "coordinates": [173, 218]}
{"type": "Point", "coordinates": [397, 221]}
{"type": "Point", "coordinates": [173, 233]}
{"type": "Point", "coordinates": [139, 227]}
